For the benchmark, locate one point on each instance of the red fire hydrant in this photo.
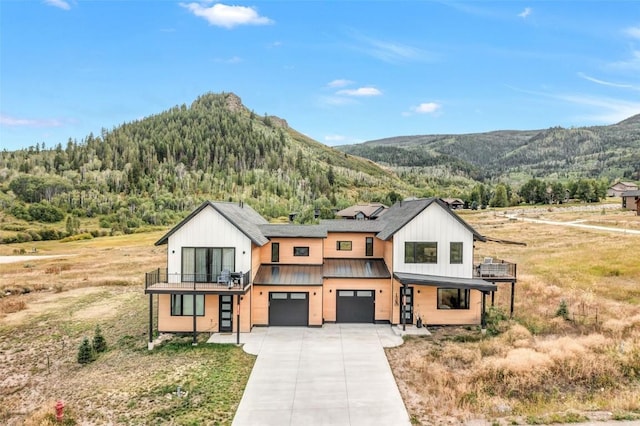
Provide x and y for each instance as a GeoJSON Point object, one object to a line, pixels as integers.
{"type": "Point", "coordinates": [59, 410]}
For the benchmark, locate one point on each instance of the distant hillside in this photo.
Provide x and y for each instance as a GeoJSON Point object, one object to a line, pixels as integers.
{"type": "Point", "coordinates": [611, 152]}
{"type": "Point", "coordinates": [151, 171]}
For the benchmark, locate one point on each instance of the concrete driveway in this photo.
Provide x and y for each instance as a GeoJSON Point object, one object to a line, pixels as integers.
{"type": "Point", "coordinates": [334, 375]}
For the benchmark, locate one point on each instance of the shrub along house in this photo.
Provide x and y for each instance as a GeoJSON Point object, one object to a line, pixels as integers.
{"type": "Point", "coordinates": [229, 270]}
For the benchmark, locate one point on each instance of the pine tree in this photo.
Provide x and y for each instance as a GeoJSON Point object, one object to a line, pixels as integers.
{"type": "Point", "coordinates": [99, 342]}
{"type": "Point", "coordinates": [85, 353]}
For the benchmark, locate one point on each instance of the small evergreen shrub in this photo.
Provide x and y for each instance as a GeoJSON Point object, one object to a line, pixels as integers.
{"type": "Point", "coordinates": [85, 352]}
{"type": "Point", "coordinates": [99, 342]}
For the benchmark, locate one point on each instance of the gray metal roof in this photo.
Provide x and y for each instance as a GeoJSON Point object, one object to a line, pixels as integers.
{"type": "Point", "coordinates": [293, 231]}
{"type": "Point", "coordinates": [243, 217]}
{"type": "Point", "coordinates": [630, 193]}
{"type": "Point", "coordinates": [289, 275]}
{"type": "Point", "coordinates": [351, 225]}
{"type": "Point", "coordinates": [403, 212]}
{"type": "Point", "coordinates": [444, 282]}
{"type": "Point", "coordinates": [355, 268]}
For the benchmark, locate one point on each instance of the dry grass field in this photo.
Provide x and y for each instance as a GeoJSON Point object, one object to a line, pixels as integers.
{"type": "Point", "coordinates": [540, 368]}
{"type": "Point", "coordinates": [49, 305]}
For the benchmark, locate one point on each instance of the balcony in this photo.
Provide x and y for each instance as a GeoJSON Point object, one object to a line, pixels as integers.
{"type": "Point", "coordinates": [160, 281]}
{"type": "Point", "coordinates": [495, 270]}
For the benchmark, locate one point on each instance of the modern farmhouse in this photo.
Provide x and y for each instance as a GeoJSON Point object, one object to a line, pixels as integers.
{"type": "Point", "coordinates": [228, 270]}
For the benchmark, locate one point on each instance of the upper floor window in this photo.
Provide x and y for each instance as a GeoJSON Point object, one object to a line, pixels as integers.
{"type": "Point", "coordinates": [455, 252]}
{"type": "Point", "coordinates": [204, 264]}
{"type": "Point", "coordinates": [453, 298]}
{"type": "Point", "coordinates": [369, 246]}
{"type": "Point", "coordinates": [275, 252]}
{"type": "Point", "coordinates": [182, 304]}
{"type": "Point", "coordinates": [301, 251]}
{"type": "Point", "coordinates": [420, 252]}
{"type": "Point", "coordinates": [344, 245]}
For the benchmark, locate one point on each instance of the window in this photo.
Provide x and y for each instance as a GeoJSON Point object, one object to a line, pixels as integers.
{"type": "Point", "coordinates": [275, 252]}
{"type": "Point", "coordinates": [420, 252]}
{"type": "Point", "coordinates": [182, 305]}
{"type": "Point", "coordinates": [369, 246]}
{"type": "Point", "coordinates": [453, 298]}
{"type": "Point", "coordinates": [343, 245]}
{"type": "Point", "coordinates": [455, 252]}
{"type": "Point", "coordinates": [301, 251]}
{"type": "Point", "coordinates": [204, 264]}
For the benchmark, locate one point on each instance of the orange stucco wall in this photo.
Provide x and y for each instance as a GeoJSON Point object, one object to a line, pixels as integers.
{"type": "Point", "coordinates": [426, 305]}
{"type": "Point", "coordinates": [358, 245]}
{"type": "Point", "coordinates": [260, 308]}
{"type": "Point", "coordinates": [383, 295]}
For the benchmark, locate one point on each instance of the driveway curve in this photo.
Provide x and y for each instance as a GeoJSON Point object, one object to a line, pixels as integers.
{"type": "Point", "coordinates": [334, 375]}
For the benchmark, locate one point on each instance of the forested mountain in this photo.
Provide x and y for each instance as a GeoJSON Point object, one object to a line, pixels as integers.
{"type": "Point", "coordinates": [154, 170]}
{"type": "Point", "coordinates": [611, 152]}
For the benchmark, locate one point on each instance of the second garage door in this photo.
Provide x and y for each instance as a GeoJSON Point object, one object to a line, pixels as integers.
{"type": "Point", "coordinates": [288, 308]}
{"type": "Point", "coordinates": [355, 306]}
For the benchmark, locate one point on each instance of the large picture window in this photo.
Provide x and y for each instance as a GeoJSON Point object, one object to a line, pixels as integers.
{"type": "Point", "coordinates": [455, 252]}
{"type": "Point", "coordinates": [420, 252]}
{"type": "Point", "coordinates": [204, 264]}
{"type": "Point", "coordinates": [182, 305]}
{"type": "Point", "coordinates": [453, 298]}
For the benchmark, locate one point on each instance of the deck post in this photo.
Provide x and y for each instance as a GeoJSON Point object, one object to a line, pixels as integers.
{"type": "Point", "coordinates": [483, 320]}
{"type": "Point", "coordinates": [150, 321]}
{"type": "Point", "coordinates": [195, 338]}
{"type": "Point", "coordinates": [513, 290]}
{"type": "Point", "coordinates": [493, 298]}
{"type": "Point", "coordinates": [238, 322]}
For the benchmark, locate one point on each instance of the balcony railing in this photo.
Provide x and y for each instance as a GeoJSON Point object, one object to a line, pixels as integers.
{"type": "Point", "coordinates": [160, 279]}
{"type": "Point", "coordinates": [495, 270]}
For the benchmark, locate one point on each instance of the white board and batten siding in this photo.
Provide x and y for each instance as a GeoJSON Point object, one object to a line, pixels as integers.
{"type": "Point", "coordinates": [209, 229]}
{"type": "Point", "coordinates": [434, 224]}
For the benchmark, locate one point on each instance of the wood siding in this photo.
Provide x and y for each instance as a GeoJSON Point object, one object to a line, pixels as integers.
{"type": "Point", "coordinates": [286, 251]}
{"type": "Point", "coordinates": [358, 245]}
{"type": "Point", "coordinates": [435, 225]}
{"type": "Point", "coordinates": [208, 229]}
{"type": "Point", "coordinates": [208, 323]}
{"type": "Point", "coordinates": [260, 305]}
{"type": "Point", "coordinates": [383, 299]}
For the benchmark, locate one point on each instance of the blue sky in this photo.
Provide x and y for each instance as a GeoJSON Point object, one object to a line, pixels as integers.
{"type": "Point", "coordinates": [338, 71]}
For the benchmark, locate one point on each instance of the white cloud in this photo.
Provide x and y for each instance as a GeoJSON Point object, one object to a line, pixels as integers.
{"type": "Point", "coordinates": [361, 91]}
{"type": "Point", "coordinates": [60, 4]}
{"type": "Point", "coordinates": [335, 138]}
{"type": "Point", "coordinates": [632, 63]}
{"type": "Point", "coordinates": [610, 110]}
{"type": "Point", "coordinates": [608, 83]}
{"type": "Point", "coordinates": [8, 121]}
{"type": "Point", "coordinates": [389, 51]}
{"type": "Point", "coordinates": [526, 12]}
{"type": "Point", "coordinates": [225, 16]}
{"type": "Point", "coordinates": [339, 83]}
{"type": "Point", "coordinates": [633, 32]}
{"type": "Point", "coordinates": [231, 60]}
{"type": "Point", "coordinates": [427, 108]}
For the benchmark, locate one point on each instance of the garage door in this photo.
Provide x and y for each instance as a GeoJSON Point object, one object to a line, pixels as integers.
{"type": "Point", "coordinates": [288, 308]}
{"type": "Point", "coordinates": [355, 306]}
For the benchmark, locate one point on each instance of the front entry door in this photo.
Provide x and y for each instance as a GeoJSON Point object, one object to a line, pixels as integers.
{"type": "Point", "coordinates": [226, 313]}
{"type": "Point", "coordinates": [407, 306]}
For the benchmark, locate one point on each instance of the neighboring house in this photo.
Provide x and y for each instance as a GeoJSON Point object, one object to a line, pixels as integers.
{"type": "Point", "coordinates": [229, 270]}
{"type": "Point", "coordinates": [617, 189]}
{"type": "Point", "coordinates": [454, 203]}
{"type": "Point", "coordinates": [363, 211]}
{"type": "Point", "coordinates": [629, 199]}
